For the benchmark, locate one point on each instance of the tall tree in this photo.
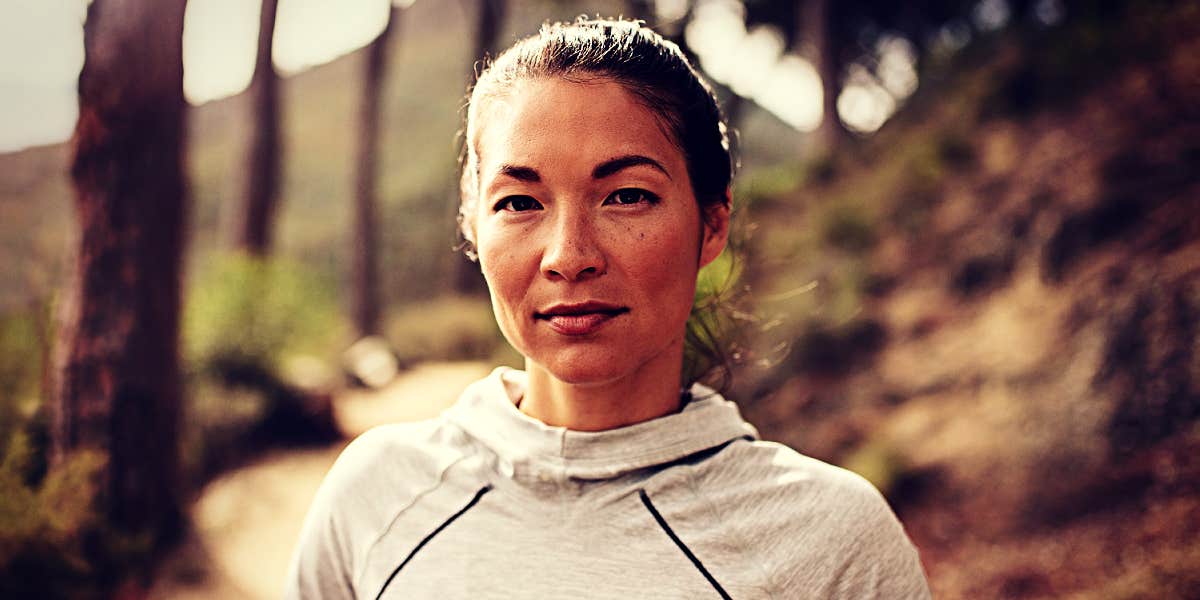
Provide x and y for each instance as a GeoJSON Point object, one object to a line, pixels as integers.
{"type": "Point", "coordinates": [365, 250]}
{"type": "Point", "coordinates": [116, 379]}
{"type": "Point", "coordinates": [465, 277]}
{"type": "Point", "coordinates": [640, 9]}
{"type": "Point", "coordinates": [820, 26]}
{"type": "Point", "coordinates": [255, 219]}
{"type": "Point", "coordinates": [834, 35]}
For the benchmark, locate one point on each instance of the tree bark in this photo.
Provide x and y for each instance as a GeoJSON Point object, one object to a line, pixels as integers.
{"type": "Point", "coordinates": [487, 26]}
{"type": "Point", "coordinates": [116, 372]}
{"type": "Point", "coordinates": [255, 220]}
{"type": "Point", "coordinates": [640, 9]}
{"type": "Point", "coordinates": [820, 27]}
{"type": "Point", "coordinates": [365, 248]}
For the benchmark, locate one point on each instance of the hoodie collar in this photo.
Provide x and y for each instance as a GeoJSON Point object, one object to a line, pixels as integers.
{"type": "Point", "coordinates": [487, 411]}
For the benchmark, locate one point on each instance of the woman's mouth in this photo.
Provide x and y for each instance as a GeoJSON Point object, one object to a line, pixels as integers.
{"type": "Point", "coordinates": [579, 319]}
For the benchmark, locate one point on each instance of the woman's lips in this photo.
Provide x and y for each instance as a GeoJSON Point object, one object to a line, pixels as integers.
{"type": "Point", "coordinates": [580, 319]}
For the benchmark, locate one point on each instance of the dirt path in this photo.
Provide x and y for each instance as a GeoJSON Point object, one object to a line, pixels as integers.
{"type": "Point", "coordinates": [247, 521]}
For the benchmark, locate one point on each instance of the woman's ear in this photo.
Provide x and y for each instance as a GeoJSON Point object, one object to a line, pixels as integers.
{"type": "Point", "coordinates": [716, 229]}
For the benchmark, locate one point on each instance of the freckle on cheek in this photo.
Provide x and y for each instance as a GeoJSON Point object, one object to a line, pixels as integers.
{"type": "Point", "coordinates": [642, 235]}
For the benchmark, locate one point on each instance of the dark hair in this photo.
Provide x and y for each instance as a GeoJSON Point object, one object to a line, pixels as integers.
{"type": "Point", "coordinates": [655, 71]}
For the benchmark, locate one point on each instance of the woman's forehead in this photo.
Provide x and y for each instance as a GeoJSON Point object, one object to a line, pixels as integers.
{"type": "Point", "coordinates": [547, 118]}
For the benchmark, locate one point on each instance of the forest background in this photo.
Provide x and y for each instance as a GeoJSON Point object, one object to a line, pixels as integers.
{"type": "Point", "coordinates": [975, 282]}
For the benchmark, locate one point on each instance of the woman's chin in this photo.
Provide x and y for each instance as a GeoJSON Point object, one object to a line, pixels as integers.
{"type": "Point", "coordinates": [584, 371]}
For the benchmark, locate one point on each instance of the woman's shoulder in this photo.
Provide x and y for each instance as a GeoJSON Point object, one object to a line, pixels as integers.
{"type": "Point", "coordinates": [774, 490]}
{"type": "Point", "coordinates": [399, 456]}
{"type": "Point", "coordinates": [816, 524]}
{"type": "Point", "coordinates": [771, 468]}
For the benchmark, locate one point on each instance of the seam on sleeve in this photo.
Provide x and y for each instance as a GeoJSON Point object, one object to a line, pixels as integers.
{"type": "Point", "coordinates": [441, 479]}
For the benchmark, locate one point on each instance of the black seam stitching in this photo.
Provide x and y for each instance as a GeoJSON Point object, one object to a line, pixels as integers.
{"type": "Point", "coordinates": [662, 523]}
{"type": "Point", "coordinates": [485, 489]}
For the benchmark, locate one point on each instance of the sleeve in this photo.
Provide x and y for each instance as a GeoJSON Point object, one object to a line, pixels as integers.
{"type": "Point", "coordinates": [880, 562]}
{"type": "Point", "coordinates": [816, 530]}
{"type": "Point", "coordinates": [874, 557]}
{"type": "Point", "coordinates": [323, 563]}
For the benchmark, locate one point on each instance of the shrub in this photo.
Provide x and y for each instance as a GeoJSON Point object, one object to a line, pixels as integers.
{"type": "Point", "coordinates": [243, 317]}
{"type": "Point", "coordinates": [849, 228]}
{"type": "Point", "coordinates": [247, 310]}
{"type": "Point", "coordinates": [24, 341]}
{"type": "Point", "coordinates": [52, 541]}
{"type": "Point", "coordinates": [768, 184]}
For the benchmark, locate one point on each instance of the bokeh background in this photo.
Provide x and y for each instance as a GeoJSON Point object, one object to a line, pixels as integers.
{"type": "Point", "coordinates": [966, 266]}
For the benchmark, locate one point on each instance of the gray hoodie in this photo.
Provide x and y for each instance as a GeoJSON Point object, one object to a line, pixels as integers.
{"type": "Point", "coordinates": [484, 502]}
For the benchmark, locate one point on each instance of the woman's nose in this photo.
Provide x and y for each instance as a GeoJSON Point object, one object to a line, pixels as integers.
{"type": "Point", "coordinates": [572, 251]}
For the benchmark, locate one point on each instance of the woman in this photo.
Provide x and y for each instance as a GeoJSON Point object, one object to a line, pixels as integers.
{"type": "Point", "coordinates": [595, 186]}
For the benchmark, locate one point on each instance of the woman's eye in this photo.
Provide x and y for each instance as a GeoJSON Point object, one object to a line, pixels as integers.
{"type": "Point", "coordinates": [631, 196]}
{"type": "Point", "coordinates": [518, 204]}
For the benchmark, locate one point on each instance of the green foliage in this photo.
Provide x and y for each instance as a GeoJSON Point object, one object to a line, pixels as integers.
{"type": "Point", "coordinates": [23, 343]}
{"type": "Point", "coordinates": [717, 276]}
{"type": "Point", "coordinates": [244, 318]}
{"type": "Point", "coordinates": [877, 462]}
{"type": "Point", "coordinates": [926, 164]}
{"type": "Point", "coordinates": [712, 336]}
{"type": "Point", "coordinates": [253, 311]}
{"type": "Point", "coordinates": [447, 328]}
{"type": "Point", "coordinates": [767, 184]}
{"type": "Point", "coordinates": [50, 529]}
{"type": "Point", "coordinates": [848, 227]}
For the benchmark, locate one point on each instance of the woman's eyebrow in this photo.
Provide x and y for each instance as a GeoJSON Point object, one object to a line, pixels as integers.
{"type": "Point", "coordinates": [613, 165]}
{"type": "Point", "coordinates": [526, 174]}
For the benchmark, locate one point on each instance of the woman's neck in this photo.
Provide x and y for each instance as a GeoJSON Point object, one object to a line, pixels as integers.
{"type": "Point", "coordinates": [650, 392]}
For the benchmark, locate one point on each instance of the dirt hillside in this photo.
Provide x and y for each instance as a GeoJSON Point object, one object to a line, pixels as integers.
{"type": "Point", "coordinates": [1019, 367]}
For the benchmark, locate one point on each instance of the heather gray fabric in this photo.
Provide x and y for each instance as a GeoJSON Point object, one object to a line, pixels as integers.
{"type": "Point", "coordinates": [484, 502]}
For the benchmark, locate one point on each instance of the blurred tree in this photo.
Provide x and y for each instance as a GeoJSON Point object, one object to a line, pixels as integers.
{"type": "Point", "coordinates": [365, 250]}
{"type": "Point", "coordinates": [835, 35]}
{"type": "Point", "coordinates": [732, 104]}
{"type": "Point", "coordinates": [255, 217]}
{"type": "Point", "coordinates": [640, 9]}
{"type": "Point", "coordinates": [116, 385]}
{"type": "Point", "coordinates": [465, 276]}
{"type": "Point", "coordinates": [818, 24]}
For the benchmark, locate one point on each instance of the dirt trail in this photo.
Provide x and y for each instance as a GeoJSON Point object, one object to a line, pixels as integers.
{"type": "Point", "coordinates": [247, 521]}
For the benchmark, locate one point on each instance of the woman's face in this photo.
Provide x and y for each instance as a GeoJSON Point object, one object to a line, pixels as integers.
{"type": "Point", "coordinates": [587, 230]}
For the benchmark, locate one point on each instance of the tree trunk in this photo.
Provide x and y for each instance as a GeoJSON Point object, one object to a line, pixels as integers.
{"type": "Point", "coordinates": [640, 9]}
{"type": "Point", "coordinates": [365, 248]}
{"type": "Point", "coordinates": [487, 27]}
{"type": "Point", "coordinates": [819, 25]}
{"type": "Point", "coordinates": [465, 277]}
{"type": "Point", "coordinates": [256, 218]}
{"type": "Point", "coordinates": [116, 371]}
